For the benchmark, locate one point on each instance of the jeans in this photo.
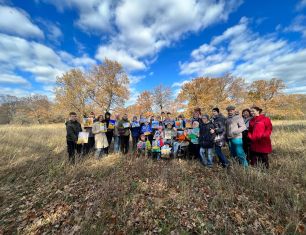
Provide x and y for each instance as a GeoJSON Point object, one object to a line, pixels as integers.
{"type": "Point", "coordinates": [156, 155]}
{"type": "Point", "coordinates": [236, 148]}
{"type": "Point", "coordinates": [176, 146]}
{"type": "Point", "coordinates": [222, 158]}
{"type": "Point", "coordinates": [206, 161]}
{"type": "Point", "coordinates": [116, 144]}
{"type": "Point", "coordinates": [72, 147]}
{"type": "Point", "coordinates": [100, 152]}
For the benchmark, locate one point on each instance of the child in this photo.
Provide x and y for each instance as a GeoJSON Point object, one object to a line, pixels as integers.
{"type": "Point", "coordinates": [193, 136]}
{"type": "Point", "coordinates": [168, 120]}
{"type": "Point", "coordinates": [180, 123]}
{"type": "Point", "coordinates": [206, 141]}
{"type": "Point", "coordinates": [169, 134]}
{"type": "Point", "coordinates": [180, 141]}
{"type": "Point", "coordinates": [135, 130]}
{"type": "Point", "coordinates": [73, 127]}
{"type": "Point", "coordinates": [156, 147]}
{"type": "Point", "coordinates": [147, 130]}
{"type": "Point", "coordinates": [141, 146]}
{"type": "Point", "coordinates": [99, 129]}
{"type": "Point", "coordinates": [158, 132]}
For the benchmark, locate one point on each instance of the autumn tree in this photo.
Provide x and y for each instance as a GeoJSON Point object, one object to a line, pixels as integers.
{"type": "Point", "coordinates": [144, 102]}
{"type": "Point", "coordinates": [71, 92]}
{"type": "Point", "coordinates": [108, 85]}
{"type": "Point", "coordinates": [8, 108]}
{"type": "Point", "coordinates": [207, 93]}
{"type": "Point", "coordinates": [37, 108]}
{"type": "Point", "coordinates": [264, 93]}
{"type": "Point", "coordinates": [162, 97]}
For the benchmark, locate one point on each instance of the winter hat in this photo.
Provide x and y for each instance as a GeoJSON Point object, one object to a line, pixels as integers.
{"type": "Point", "coordinates": [230, 107]}
{"type": "Point", "coordinates": [216, 109]}
{"type": "Point", "coordinates": [205, 116]}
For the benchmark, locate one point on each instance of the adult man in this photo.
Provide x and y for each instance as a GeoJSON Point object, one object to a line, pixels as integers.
{"type": "Point", "coordinates": [219, 129]}
{"type": "Point", "coordinates": [234, 128]}
{"type": "Point", "coordinates": [73, 127]}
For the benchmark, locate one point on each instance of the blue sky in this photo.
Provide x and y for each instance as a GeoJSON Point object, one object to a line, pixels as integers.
{"type": "Point", "coordinates": [158, 42]}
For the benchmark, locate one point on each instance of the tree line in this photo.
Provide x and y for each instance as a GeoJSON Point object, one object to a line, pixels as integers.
{"type": "Point", "coordinates": [105, 87]}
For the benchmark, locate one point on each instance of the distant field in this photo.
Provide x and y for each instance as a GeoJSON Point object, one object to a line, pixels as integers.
{"type": "Point", "coordinates": [41, 193]}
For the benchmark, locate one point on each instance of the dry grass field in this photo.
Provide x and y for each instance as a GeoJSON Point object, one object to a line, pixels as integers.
{"type": "Point", "coordinates": [41, 194]}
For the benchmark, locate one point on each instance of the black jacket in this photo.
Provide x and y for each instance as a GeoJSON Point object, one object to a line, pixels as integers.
{"type": "Point", "coordinates": [206, 139]}
{"type": "Point", "coordinates": [73, 129]}
{"type": "Point", "coordinates": [107, 119]}
{"type": "Point", "coordinates": [219, 123]}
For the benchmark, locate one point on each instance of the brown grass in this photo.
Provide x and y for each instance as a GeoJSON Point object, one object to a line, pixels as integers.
{"type": "Point", "coordinates": [40, 192]}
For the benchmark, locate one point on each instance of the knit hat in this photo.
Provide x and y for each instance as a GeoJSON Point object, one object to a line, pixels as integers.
{"type": "Point", "coordinates": [230, 107]}
{"type": "Point", "coordinates": [216, 109]}
{"type": "Point", "coordinates": [205, 116]}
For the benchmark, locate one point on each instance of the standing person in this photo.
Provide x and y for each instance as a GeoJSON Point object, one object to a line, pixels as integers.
{"type": "Point", "coordinates": [110, 132]}
{"type": "Point", "coordinates": [135, 129]}
{"type": "Point", "coordinates": [73, 127]}
{"type": "Point", "coordinates": [124, 127]}
{"type": "Point", "coordinates": [246, 114]}
{"type": "Point", "coordinates": [168, 119]}
{"type": "Point", "coordinates": [193, 136]}
{"type": "Point", "coordinates": [99, 129]}
{"type": "Point", "coordinates": [260, 130]}
{"type": "Point", "coordinates": [91, 138]}
{"type": "Point", "coordinates": [219, 129]}
{"type": "Point", "coordinates": [197, 115]}
{"type": "Point", "coordinates": [116, 134]}
{"type": "Point", "coordinates": [162, 116]}
{"type": "Point", "coordinates": [206, 141]}
{"type": "Point", "coordinates": [146, 129]}
{"type": "Point", "coordinates": [234, 127]}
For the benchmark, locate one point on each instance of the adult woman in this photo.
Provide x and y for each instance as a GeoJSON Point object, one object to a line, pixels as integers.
{"type": "Point", "coordinates": [260, 130]}
{"type": "Point", "coordinates": [124, 127]}
{"type": "Point", "coordinates": [246, 114]}
{"type": "Point", "coordinates": [99, 129]}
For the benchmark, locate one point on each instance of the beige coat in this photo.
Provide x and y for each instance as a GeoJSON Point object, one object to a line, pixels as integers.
{"type": "Point", "coordinates": [100, 137]}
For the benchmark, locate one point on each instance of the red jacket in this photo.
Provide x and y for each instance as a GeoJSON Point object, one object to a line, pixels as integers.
{"type": "Point", "coordinates": [260, 130]}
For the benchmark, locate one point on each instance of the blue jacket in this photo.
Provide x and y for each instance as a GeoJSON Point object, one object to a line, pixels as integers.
{"type": "Point", "coordinates": [135, 131]}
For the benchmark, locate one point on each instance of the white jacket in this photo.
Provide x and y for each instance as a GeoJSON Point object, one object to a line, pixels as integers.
{"type": "Point", "coordinates": [100, 137]}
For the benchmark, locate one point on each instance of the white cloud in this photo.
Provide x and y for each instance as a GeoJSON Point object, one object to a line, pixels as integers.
{"type": "Point", "coordinates": [41, 62]}
{"type": "Point", "coordinates": [140, 29]}
{"type": "Point", "coordinates": [296, 90]}
{"type": "Point", "coordinates": [246, 54]}
{"type": "Point", "coordinates": [14, 91]}
{"type": "Point", "coordinates": [121, 56]}
{"type": "Point", "coordinates": [16, 22]}
{"type": "Point", "coordinates": [301, 5]}
{"type": "Point", "coordinates": [135, 79]}
{"type": "Point", "coordinates": [298, 25]}
{"type": "Point", "coordinates": [53, 31]}
{"type": "Point", "coordinates": [134, 93]}
{"type": "Point", "coordinates": [180, 84]}
{"type": "Point", "coordinates": [94, 15]}
{"type": "Point", "coordinates": [13, 79]}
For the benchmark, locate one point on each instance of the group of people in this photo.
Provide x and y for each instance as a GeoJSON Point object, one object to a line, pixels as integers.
{"type": "Point", "coordinates": [201, 137]}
